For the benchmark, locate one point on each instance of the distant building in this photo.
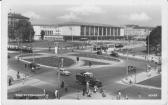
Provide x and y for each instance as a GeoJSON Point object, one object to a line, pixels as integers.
{"type": "Point", "coordinates": [138, 32]}
{"type": "Point", "coordinates": [76, 31]}
{"type": "Point", "coordinates": [13, 19]}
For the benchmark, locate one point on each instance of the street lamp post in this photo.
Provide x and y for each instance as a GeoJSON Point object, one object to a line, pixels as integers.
{"type": "Point", "coordinates": [127, 59]}
{"type": "Point", "coordinates": [71, 33]}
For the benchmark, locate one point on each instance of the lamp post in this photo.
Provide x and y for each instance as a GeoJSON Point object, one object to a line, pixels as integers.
{"type": "Point", "coordinates": [127, 59]}
{"type": "Point", "coordinates": [71, 32]}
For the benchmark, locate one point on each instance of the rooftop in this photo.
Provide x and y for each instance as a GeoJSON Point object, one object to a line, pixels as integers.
{"type": "Point", "coordinates": [77, 24]}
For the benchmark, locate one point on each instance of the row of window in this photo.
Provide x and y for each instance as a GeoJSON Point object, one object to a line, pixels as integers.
{"type": "Point", "coordinates": [48, 32]}
{"type": "Point", "coordinates": [90, 30]}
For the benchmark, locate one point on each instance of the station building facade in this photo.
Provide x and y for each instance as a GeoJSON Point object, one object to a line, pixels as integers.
{"type": "Point", "coordinates": [76, 31]}
{"type": "Point", "coordinates": [138, 32]}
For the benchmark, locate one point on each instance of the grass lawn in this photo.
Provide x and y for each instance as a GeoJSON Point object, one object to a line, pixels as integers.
{"type": "Point", "coordinates": [136, 51]}
{"type": "Point", "coordinates": [26, 55]}
{"type": "Point", "coordinates": [155, 81]}
{"type": "Point", "coordinates": [53, 61]}
{"type": "Point", "coordinates": [90, 55]}
{"type": "Point", "coordinates": [93, 63]}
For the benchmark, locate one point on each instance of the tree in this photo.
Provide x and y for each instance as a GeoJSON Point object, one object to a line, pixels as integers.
{"type": "Point", "coordinates": [154, 40]}
{"type": "Point", "coordinates": [24, 31]}
{"type": "Point", "coordinates": [42, 34]}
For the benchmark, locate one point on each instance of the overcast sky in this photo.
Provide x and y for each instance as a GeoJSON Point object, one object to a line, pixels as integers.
{"type": "Point", "coordinates": [148, 14]}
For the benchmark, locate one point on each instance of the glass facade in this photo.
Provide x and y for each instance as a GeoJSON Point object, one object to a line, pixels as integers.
{"type": "Point", "coordinates": [108, 31]}
{"type": "Point", "coordinates": [104, 31]}
{"type": "Point", "coordinates": [91, 30]}
{"type": "Point", "coordinates": [100, 31]}
{"type": "Point", "coordinates": [82, 30]}
{"type": "Point", "coordinates": [96, 31]}
{"type": "Point", "coordinates": [87, 30]}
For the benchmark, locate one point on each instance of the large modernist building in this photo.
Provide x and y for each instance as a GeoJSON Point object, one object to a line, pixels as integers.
{"type": "Point", "coordinates": [139, 32]}
{"type": "Point", "coordinates": [76, 31]}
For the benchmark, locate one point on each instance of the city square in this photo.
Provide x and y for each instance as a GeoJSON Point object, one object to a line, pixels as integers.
{"type": "Point", "coordinates": [84, 53]}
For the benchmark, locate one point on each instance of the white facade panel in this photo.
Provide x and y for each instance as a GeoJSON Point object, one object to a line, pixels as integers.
{"type": "Point", "coordinates": [70, 30]}
{"type": "Point", "coordinates": [122, 32]}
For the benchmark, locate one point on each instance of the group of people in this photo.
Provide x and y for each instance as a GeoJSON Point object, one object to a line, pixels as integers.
{"type": "Point", "coordinates": [88, 91]}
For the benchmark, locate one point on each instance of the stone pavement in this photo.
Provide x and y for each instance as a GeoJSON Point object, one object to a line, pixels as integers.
{"type": "Point", "coordinates": [139, 78]}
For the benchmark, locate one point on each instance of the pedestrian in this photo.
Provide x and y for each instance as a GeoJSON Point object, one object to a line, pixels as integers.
{"type": "Point", "coordinates": [49, 49]}
{"type": "Point", "coordinates": [126, 97]}
{"type": "Point", "coordinates": [66, 89]}
{"type": "Point", "coordinates": [25, 65]}
{"type": "Point", "coordinates": [90, 63]}
{"type": "Point", "coordinates": [84, 90]}
{"type": "Point", "coordinates": [77, 59]}
{"type": "Point", "coordinates": [56, 94]}
{"type": "Point", "coordinates": [10, 81]}
{"type": "Point", "coordinates": [44, 91]}
{"type": "Point", "coordinates": [62, 84]}
{"type": "Point", "coordinates": [101, 90]}
{"type": "Point", "coordinates": [18, 75]}
{"type": "Point", "coordinates": [119, 94]}
{"type": "Point", "coordinates": [89, 93]}
{"type": "Point", "coordinates": [95, 89]}
{"type": "Point", "coordinates": [103, 94]}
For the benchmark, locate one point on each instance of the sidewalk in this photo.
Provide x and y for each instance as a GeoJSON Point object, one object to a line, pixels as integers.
{"type": "Point", "coordinates": [139, 78]}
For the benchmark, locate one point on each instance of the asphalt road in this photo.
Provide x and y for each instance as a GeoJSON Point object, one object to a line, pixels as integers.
{"type": "Point", "coordinates": [108, 76]}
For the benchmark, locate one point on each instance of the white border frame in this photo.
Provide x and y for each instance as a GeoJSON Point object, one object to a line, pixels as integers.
{"type": "Point", "coordinates": [163, 101]}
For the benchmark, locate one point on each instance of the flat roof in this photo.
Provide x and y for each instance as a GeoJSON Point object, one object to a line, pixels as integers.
{"type": "Point", "coordinates": [78, 24]}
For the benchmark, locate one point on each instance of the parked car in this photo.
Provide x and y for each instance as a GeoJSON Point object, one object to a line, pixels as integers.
{"type": "Point", "coordinates": [64, 72]}
{"type": "Point", "coordinates": [114, 54]}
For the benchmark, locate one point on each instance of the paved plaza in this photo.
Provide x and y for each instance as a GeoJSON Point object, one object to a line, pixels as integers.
{"type": "Point", "coordinates": [111, 71]}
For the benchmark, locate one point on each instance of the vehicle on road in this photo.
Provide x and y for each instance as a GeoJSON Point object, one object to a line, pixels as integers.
{"type": "Point", "coordinates": [114, 54]}
{"type": "Point", "coordinates": [64, 72]}
{"type": "Point", "coordinates": [119, 46]}
{"type": "Point", "coordinates": [85, 77]}
{"type": "Point", "coordinates": [34, 66]}
{"type": "Point", "coordinates": [99, 52]}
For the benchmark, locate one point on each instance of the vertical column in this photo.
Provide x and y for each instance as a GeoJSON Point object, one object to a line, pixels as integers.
{"type": "Point", "coordinates": [113, 31]}
{"type": "Point", "coordinates": [106, 31]}
{"type": "Point", "coordinates": [110, 31]}
{"type": "Point", "coordinates": [98, 30]}
{"type": "Point", "coordinates": [93, 30]}
{"type": "Point", "coordinates": [117, 31]}
{"type": "Point", "coordinates": [89, 31]}
{"type": "Point", "coordinates": [102, 31]}
{"type": "Point", "coordinates": [84, 30]}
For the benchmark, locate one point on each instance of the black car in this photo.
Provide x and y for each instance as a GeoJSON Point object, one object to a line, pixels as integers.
{"type": "Point", "coordinates": [114, 54]}
{"type": "Point", "coordinates": [99, 52]}
{"type": "Point", "coordinates": [88, 77]}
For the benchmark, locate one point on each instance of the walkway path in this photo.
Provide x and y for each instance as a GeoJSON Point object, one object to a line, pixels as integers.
{"type": "Point", "coordinates": [76, 65]}
{"type": "Point", "coordinates": [139, 78]}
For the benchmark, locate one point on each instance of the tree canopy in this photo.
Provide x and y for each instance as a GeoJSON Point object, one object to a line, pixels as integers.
{"type": "Point", "coordinates": [154, 40]}
{"type": "Point", "coordinates": [24, 31]}
{"type": "Point", "coordinates": [42, 34]}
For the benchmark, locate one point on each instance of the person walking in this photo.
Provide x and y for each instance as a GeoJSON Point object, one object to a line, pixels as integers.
{"type": "Point", "coordinates": [90, 63]}
{"type": "Point", "coordinates": [95, 89]}
{"type": "Point", "coordinates": [84, 90]}
{"type": "Point", "coordinates": [62, 84]}
{"type": "Point", "coordinates": [56, 94]}
{"type": "Point", "coordinates": [18, 75]}
{"type": "Point", "coordinates": [77, 59]}
{"type": "Point", "coordinates": [10, 82]}
{"type": "Point", "coordinates": [25, 65]}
